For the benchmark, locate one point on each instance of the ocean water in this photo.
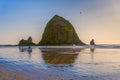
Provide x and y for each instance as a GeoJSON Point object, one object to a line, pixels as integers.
{"type": "Point", "coordinates": [98, 63]}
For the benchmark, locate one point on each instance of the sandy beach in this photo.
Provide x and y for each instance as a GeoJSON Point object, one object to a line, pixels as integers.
{"type": "Point", "coordinates": [35, 75]}
{"type": "Point", "coordinates": [98, 64]}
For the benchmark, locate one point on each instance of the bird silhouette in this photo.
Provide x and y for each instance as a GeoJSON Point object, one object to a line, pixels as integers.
{"type": "Point", "coordinates": [80, 12]}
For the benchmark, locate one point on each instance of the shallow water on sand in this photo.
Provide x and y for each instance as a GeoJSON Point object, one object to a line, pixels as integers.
{"type": "Point", "coordinates": [60, 64]}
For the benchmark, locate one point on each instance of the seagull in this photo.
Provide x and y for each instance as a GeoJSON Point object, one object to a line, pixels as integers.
{"type": "Point", "coordinates": [80, 12]}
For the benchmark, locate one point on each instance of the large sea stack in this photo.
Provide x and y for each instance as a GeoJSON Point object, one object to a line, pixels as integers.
{"type": "Point", "coordinates": [59, 31]}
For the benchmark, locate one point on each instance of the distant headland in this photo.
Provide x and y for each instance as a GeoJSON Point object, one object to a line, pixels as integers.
{"type": "Point", "coordinates": [58, 31]}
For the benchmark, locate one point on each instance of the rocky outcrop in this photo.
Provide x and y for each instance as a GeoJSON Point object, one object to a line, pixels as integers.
{"type": "Point", "coordinates": [92, 42]}
{"type": "Point", "coordinates": [60, 32]}
{"type": "Point", "coordinates": [27, 42]}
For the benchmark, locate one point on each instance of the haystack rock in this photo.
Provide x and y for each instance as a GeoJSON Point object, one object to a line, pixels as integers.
{"type": "Point", "coordinates": [59, 31]}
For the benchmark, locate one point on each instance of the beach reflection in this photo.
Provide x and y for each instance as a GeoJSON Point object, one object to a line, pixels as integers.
{"type": "Point", "coordinates": [59, 58]}
{"type": "Point", "coordinates": [28, 50]}
{"type": "Point", "coordinates": [92, 50]}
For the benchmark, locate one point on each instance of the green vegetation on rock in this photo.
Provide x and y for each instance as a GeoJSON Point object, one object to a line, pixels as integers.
{"type": "Point", "coordinates": [60, 32]}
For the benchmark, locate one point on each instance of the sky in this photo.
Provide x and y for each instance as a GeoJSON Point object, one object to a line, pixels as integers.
{"type": "Point", "coordinates": [92, 19]}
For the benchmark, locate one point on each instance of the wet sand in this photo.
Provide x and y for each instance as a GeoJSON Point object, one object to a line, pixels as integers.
{"type": "Point", "coordinates": [99, 64]}
{"type": "Point", "coordinates": [11, 75]}
{"type": "Point", "coordinates": [30, 75]}
{"type": "Point", "coordinates": [48, 75]}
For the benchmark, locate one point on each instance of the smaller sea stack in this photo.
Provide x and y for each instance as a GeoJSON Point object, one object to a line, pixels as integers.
{"type": "Point", "coordinates": [92, 42]}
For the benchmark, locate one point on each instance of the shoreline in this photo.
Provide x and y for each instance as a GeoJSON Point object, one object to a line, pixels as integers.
{"type": "Point", "coordinates": [67, 47]}
{"type": "Point", "coordinates": [49, 75]}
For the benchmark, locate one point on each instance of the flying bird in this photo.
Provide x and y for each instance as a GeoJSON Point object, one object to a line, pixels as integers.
{"type": "Point", "coordinates": [80, 12]}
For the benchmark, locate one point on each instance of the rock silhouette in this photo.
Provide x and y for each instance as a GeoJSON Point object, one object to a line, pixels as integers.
{"type": "Point", "coordinates": [27, 42]}
{"type": "Point", "coordinates": [92, 42]}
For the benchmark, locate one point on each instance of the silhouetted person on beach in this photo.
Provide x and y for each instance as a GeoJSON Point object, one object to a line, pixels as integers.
{"type": "Point", "coordinates": [29, 47]}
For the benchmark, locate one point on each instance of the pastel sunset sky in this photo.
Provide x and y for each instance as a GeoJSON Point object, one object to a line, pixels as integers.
{"type": "Point", "coordinates": [92, 19]}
